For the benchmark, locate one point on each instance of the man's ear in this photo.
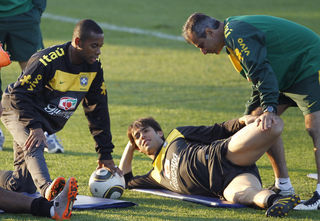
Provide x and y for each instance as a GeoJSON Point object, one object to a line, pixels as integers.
{"type": "Point", "coordinates": [77, 42]}
{"type": "Point", "coordinates": [210, 32]}
{"type": "Point", "coordinates": [160, 133]}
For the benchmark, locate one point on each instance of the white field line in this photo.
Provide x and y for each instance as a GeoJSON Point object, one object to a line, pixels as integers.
{"type": "Point", "coordinates": [111, 27]}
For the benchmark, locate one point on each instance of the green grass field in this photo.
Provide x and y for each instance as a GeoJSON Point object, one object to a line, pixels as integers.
{"type": "Point", "coordinates": [173, 82]}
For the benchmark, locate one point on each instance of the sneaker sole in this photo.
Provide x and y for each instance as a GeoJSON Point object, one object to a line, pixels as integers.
{"type": "Point", "coordinates": [57, 187]}
{"type": "Point", "coordinates": [53, 151]}
{"type": "Point", "coordinates": [72, 194]}
{"type": "Point", "coordinates": [281, 211]}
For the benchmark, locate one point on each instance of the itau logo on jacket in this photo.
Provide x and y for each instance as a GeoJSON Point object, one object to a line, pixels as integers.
{"type": "Point", "coordinates": [68, 103]}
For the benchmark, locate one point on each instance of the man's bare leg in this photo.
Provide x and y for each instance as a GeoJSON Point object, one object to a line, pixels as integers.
{"type": "Point", "coordinates": [277, 159]}
{"type": "Point", "coordinates": [250, 143]}
{"type": "Point", "coordinates": [246, 189]}
{"type": "Point", "coordinates": [312, 123]}
{"type": "Point", "coordinates": [276, 155]}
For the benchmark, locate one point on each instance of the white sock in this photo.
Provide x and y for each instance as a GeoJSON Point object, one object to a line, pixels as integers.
{"type": "Point", "coordinates": [283, 183]}
{"type": "Point", "coordinates": [318, 188]}
{"type": "Point", "coordinates": [52, 211]}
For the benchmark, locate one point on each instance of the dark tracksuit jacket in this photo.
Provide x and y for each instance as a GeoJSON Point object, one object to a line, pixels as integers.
{"type": "Point", "coordinates": [50, 89]}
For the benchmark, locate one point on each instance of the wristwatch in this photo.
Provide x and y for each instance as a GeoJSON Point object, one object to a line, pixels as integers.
{"type": "Point", "coordinates": [270, 109]}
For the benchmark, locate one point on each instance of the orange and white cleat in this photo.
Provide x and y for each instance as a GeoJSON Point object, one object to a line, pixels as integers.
{"type": "Point", "coordinates": [55, 188]}
{"type": "Point", "coordinates": [63, 203]}
{"type": "Point", "coordinates": [4, 57]}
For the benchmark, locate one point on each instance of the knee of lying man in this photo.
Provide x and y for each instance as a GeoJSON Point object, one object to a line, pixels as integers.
{"type": "Point", "coordinates": [277, 127]}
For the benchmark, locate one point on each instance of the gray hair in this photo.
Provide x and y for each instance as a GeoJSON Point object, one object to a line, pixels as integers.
{"type": "Point", "coordinates": [196, 25]}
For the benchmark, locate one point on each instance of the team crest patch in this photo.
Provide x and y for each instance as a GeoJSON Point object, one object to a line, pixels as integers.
{"type": "Point", "coordinates": [68, 103]}
{"type": "Point", "coordinates": [84, 81]}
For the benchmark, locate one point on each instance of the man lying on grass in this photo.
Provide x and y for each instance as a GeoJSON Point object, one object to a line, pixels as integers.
{"type": "Point", "coordinates": [216, 161]}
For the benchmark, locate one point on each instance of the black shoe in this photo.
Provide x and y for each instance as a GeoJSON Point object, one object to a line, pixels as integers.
{"type": "Point", "coordinates": [311, 204]}
{"type": "Point", "coordinates": [282, 206]}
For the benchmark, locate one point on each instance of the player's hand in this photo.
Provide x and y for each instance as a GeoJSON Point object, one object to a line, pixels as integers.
{"type": "Point", "coordinates": [109, 165]}
{"type": "Point", "coordinates": [36, 138]}
{"type": "Point", "coordinates": [266, 120]}
{"type": "Point", "coordinates": [247, 119]}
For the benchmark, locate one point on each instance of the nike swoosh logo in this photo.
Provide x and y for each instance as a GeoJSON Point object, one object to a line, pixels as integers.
{"type": "Point", "coordinates": [310, 105]}
{"type": "Point", "coordinates": [61, 82]}
{"type": "Point", "coordinates": [283, 183]}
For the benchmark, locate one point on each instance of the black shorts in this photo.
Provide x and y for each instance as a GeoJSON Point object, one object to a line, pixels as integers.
{"type": "Point", "coordinates": [21, 35]}
{"type": "Point", "coordinates": [222, 170]}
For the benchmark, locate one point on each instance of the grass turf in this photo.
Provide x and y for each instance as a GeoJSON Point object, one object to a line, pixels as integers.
{"type": "Point", "coordinates": [173, 82]}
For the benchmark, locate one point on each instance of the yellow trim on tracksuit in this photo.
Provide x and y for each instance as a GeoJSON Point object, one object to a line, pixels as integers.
{"type": "Point", "coordinates": [64, 81]}
{"type": "Point", "coordinates": [158, 162]}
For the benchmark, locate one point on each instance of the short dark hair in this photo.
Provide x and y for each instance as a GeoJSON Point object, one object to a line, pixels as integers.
{"type": "Point", "coordinates": [196, 25]}
{"type": "Point", "coordinates": [84, 28]}
{"type": "Point", "coordinates": [142, 123]}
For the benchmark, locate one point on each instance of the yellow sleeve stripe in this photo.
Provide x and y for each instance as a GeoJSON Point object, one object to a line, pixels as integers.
{"type": "Point", "coordinates": [234, 60]}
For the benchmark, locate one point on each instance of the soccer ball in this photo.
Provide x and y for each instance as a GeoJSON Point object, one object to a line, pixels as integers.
{"type": "Point", "coordinates": [105, 185]}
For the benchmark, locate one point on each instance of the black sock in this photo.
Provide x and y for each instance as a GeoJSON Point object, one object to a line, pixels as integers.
{"type": "Point", "coordinates": [41, 207]}
{"type": "Point", "coordinates": [271, 199]}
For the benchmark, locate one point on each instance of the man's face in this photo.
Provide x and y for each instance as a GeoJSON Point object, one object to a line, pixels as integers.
{"type": "Point", "coordinates": [211, 44]}
{"type": "Point", "coordinates": [148, 140]}
{"type": "Point", "coordinates": [90, 49]}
